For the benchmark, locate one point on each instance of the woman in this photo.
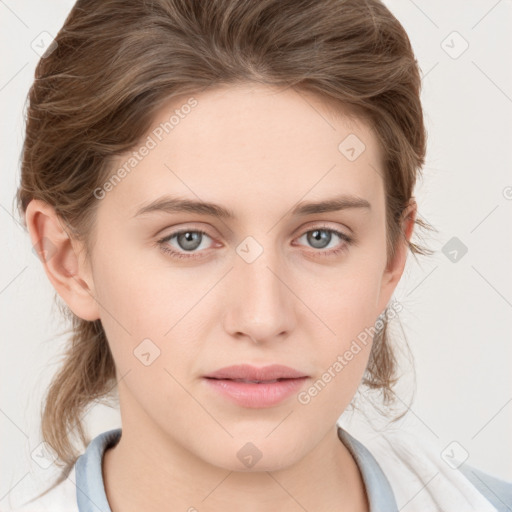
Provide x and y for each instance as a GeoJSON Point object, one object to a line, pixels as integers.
{"type": "Point", "coordinates": [222, 194]}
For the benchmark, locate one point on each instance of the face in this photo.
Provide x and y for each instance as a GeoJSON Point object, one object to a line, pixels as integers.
{"type": "Point", "coordinates": [182, 293]}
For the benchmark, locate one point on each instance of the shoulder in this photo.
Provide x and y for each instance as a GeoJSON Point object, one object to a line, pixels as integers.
{"type": "Point", "coordinates": [61, 498]}
{"type": "Point", "coordinates": [425, 476]}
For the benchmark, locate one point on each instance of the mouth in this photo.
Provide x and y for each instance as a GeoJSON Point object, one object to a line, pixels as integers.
{"type": "Point", "coordinates": [253, 387]}
{"type": "Point", "coordinates": [246, 372]}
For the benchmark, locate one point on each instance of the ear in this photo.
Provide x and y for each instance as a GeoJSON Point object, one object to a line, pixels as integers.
{"type": "Point", "coordinates": [395, 268]}
{"type": "Point", "coordinates": [60, 256]}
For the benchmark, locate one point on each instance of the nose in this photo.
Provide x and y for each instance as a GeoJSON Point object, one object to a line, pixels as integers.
{"type": "Point", "coordinates": [260, 304]}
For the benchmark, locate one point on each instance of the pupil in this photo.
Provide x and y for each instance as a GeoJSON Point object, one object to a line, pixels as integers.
{"type": "Point", "coordinates": [190, 240]}
{"type": "Point", "coordinates": [317, 236]}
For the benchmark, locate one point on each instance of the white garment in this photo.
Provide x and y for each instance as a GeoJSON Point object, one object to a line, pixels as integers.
{"type": "Point", "coordinates": [421, 480]}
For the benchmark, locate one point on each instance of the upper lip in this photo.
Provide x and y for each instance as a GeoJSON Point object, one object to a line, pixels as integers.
{"type": "Point", "coordinates": [264, 373]}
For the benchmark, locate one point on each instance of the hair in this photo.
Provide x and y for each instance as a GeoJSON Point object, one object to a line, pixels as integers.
{"type": "Point", "coordinates": [116, 62]}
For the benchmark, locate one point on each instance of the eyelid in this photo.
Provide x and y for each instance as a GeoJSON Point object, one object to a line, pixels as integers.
{"type": "Point", "coordinates": [324, 224]}
{"type": "Point", "coordinates": [198, 226]}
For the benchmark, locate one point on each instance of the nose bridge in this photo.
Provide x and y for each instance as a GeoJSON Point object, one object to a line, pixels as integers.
{"type": "Point", "coordinates": [261, 304]}
{"type": "Point", "coordinates": [260, 280]}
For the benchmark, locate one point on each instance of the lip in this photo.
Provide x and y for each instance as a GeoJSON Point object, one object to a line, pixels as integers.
{"type": "Point", "coordinates": [270, 384]}
{"type": "Point", "coordinates": [248, 372]}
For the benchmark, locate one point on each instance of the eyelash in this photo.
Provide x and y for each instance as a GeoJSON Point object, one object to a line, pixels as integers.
{"type": "Point", "coordinates": [162, 243]}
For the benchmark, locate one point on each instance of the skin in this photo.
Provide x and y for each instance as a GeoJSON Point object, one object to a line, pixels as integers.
{"type": "Point", "coordinates": [257, 151]}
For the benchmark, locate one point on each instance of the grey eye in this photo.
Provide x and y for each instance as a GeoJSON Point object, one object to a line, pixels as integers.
{"type": "Point", "coordinates": [319, 238]}
{"type": "Point", "coordinates": [189, 240]}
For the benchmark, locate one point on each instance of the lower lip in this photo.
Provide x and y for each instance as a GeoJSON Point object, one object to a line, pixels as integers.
{"type": "Point", "coordinates": [250, 394]}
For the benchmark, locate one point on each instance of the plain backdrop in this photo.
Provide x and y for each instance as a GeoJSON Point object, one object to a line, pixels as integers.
{"type": "Point", "coordinates": [457, 303]}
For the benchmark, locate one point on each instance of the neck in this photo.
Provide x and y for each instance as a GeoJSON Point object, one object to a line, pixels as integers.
{"type": "Point", "coordinates": [152, 478]}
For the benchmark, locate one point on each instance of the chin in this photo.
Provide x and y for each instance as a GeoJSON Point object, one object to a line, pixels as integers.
{"type": "Point", "coordinates": [256, 453]}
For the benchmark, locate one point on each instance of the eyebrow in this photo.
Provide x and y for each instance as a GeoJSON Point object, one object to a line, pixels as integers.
{"type": "Point", "coordinates": [169, 204]}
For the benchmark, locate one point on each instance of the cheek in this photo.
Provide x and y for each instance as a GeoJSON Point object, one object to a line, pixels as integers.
{"type": "Point", "coordinates": [348, 307]}
{"type": "Point", "coordinates": [347, 294]}
{"type": "Point", "coordinates": [150, 312]}
{"type": "Point", "coordinates": [348, 303]}
{"type": "Point", "coordinates": [138, 290]}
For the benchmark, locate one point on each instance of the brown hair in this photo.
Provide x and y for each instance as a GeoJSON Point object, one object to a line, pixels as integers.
{"type": "Point", "coordinates": [117, 61]}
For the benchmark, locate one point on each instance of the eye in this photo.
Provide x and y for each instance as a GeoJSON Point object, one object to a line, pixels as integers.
{"type": "Point", "coordinates": [188, 240]}
{"type": "Point", "coordinates": [191, 241]}
{"type": "Point", "coordinates": [321, 236]}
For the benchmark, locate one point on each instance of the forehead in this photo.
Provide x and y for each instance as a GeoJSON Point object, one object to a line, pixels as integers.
{"type": "Point", "coordinates": [250, 145]}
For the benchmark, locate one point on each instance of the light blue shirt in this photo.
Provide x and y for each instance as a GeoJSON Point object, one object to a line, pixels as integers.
{"type": "Point", "coordinates": [91, 495]}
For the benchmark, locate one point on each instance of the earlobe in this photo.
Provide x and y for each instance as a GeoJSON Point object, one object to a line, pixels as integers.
{"type": "Point", "coordinates": [59, 254]}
